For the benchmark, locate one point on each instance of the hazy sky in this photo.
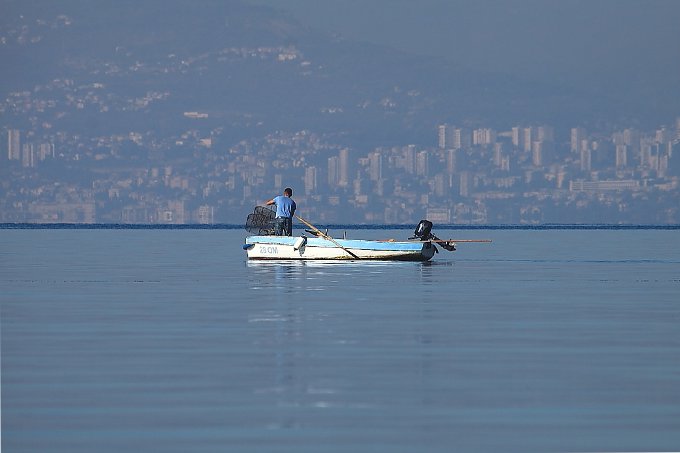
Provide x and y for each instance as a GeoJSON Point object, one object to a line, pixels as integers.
{"type": "Point", "coordinates": [612, 44]}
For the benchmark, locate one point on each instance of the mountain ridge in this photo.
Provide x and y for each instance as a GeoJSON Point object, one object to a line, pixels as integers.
{"type": "Point", "coordinates": [308, 79]}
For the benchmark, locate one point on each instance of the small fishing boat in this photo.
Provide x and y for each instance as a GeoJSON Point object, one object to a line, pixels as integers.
{"type": "Point", "coordinates": [318, 245]}
{"type": "Point", "coordinates": [320, 248]}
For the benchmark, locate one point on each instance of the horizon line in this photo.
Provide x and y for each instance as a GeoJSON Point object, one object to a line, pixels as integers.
{"type": "Point", "coordinates": [349, 226]}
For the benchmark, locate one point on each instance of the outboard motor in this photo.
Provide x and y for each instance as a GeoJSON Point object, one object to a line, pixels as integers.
{"type": "Point", "coordinates": [423, 232]}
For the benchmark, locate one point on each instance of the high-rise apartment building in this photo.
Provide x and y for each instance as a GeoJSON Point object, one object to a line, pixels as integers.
{"type": "Point", "coordinates": [333, 171]}
{"type": "Point", "coordinates": [498, 154]}
{"type": "Point", "coordinates": [537, 154]}
{"type": "Point", "coordinates": [528, 138]}
{"type": "Point", "coordinates": [621, 156]}
{"type": "Point", "coordinates": [465, 184]}
{"type": "Point", "coordinates": [13, 144]}
{"type": "Point", "coordinates": [586, 159]}
{"type": "Point", "coordinates": [451, 161]}
{"type": "Point", "coordinates": [461, 138]}
{"type": "Point", "coordinates": [28, 155]}
{"type": "Point", "coordinates": [310, 180]}
{"type": "Point", "coordinates": [445, 136]}
{"type": "Point", "coordinates": [375, 166]}
{"type": "Point", "coordinates": [343, 168]}
{"type": "Point", "coordinates": [454, 137]}
{"type": "Point", "coordinates": [517, 137]}
{"type": "Point", "coordinates": [578, 134]}
{"type": "Point", "coordinates": [483, 137]}
{"type": "Point", "coordinates": [46, 150]}
{"type": "Point", "coordinates": [410, 159]}
{"type": "Point", "coordinates": [542, 153]}
{"type": "Point", "coordinates": [422, 164]}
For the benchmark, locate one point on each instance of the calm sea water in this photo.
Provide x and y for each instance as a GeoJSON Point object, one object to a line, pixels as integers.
{"type": "Point", "coordinates": [170, 341]}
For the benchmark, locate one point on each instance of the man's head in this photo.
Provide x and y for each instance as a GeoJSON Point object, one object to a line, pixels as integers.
{"type": "Point", "coordinates": [288, 192]}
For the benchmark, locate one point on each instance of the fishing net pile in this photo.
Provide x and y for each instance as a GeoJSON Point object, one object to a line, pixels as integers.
{"type": "Point", "coordinates": [261, 221]}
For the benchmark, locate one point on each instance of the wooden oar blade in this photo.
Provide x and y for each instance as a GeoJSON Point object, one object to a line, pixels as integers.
{"type": "Point", "coordinates": [463, 240]}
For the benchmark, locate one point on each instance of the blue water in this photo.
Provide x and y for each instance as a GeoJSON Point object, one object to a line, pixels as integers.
{"type": "Point", "coordinates": [169, 340]}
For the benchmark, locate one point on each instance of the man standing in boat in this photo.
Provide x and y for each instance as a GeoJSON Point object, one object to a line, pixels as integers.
{"type": "Point", "coordinates": [285, 210]}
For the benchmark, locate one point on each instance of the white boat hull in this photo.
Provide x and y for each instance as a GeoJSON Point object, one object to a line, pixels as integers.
{"type": "Point", "coordinates": [295, 248]}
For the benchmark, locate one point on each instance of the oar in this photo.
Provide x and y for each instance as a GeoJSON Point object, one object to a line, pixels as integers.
{"type": "Point", "coordinates": [325, 236]}
{"type": "Point", "coordinates": [438, 241]}
{"type": "Point", "coordinates": [461, 240]}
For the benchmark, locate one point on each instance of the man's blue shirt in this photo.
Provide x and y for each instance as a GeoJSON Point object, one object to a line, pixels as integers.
{"type": "Point", "coordinates": [285, 206]}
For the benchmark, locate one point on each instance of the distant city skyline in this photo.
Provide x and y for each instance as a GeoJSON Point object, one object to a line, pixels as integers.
{"type": "Point", "coordinates": [182, 114]}
{"type": "Point", "coordinates": [524, 175]}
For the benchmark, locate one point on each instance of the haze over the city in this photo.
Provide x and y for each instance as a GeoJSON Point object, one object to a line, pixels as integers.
{"type": "Point", "coordinates": [375, 112]}
{"type": "Point", "coordinates": [623, 48]}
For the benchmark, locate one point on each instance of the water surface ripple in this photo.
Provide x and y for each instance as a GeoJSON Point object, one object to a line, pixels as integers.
{"type": "Point", "coordinates": [169, 340]}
